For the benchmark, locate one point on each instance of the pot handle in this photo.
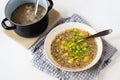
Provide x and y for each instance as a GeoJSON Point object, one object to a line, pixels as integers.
{"type": "Point", "coordinates": [5, 26]}
{"type": "Point", "coordinates": [50, 6]}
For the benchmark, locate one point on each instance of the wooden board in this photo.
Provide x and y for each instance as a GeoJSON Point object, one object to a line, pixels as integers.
{"type": "Point", "coordinates": [54, 17]}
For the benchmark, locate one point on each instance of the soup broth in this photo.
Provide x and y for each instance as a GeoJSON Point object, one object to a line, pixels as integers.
{"type": "Point", "coordinates": [68, 53]}
{"type": "Point", "coordinates": [24, 14]}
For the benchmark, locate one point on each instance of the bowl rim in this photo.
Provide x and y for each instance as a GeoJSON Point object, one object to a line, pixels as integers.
{"type": "Point", "coordinates": [61, 28]}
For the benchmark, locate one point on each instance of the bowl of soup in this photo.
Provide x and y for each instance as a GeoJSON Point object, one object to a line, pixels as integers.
{"type": "Point", "coordinates": [63, 51]}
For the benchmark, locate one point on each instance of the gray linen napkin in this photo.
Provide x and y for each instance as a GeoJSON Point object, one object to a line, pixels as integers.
{"type": "Point", "coordinates": [41, 63]}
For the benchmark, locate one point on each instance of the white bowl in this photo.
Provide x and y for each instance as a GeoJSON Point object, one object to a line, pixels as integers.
{"type": "Point", "coordinates": [62, 27]}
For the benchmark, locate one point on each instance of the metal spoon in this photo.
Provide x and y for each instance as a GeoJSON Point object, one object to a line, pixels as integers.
{"type": "Point", "coordinates": [36, 7]}
{"type": "Point", "coordinates": [99, 34]}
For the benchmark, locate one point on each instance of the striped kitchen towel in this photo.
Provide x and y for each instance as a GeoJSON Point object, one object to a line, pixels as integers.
{"type": "Point", "coordinates": [40, 61]}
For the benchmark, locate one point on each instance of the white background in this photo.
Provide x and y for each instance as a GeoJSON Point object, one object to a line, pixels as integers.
{"type": "Point", "coordinates": [15, 61]}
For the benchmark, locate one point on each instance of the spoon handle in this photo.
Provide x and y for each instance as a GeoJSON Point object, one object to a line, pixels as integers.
{"type": "Point", "coordinates": [99, 34]}
{"type": "Point", "coordinates": [36, 7]}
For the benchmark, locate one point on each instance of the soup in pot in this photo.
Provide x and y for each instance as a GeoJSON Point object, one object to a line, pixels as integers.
{"type": "Point", "coordinates": [24, 14]}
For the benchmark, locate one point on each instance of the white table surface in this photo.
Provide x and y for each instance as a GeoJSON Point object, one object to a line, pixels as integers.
{"type": "Point", "coordinates": [15, 61]}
